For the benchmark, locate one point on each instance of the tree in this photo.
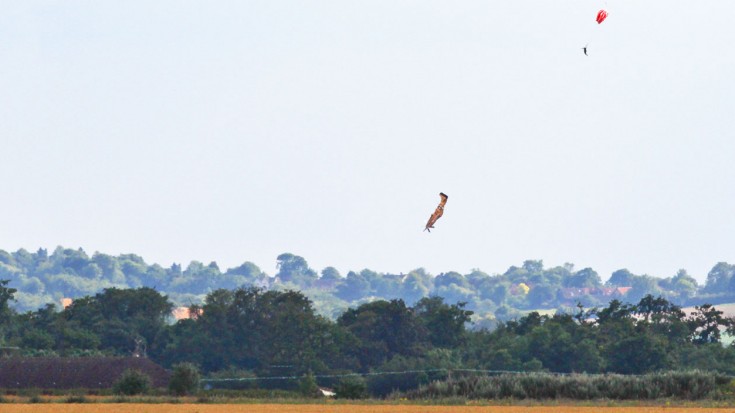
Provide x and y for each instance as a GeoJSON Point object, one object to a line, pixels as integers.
{"type": "Point", "coordinates": [657, 310]}
{"type": "Point", "coordinates": [184, 379]}
{"type": "Point", "coordinates": [6, 258]}
{"type": "Point", "coordinates": [636, 353]}
{"type": "Point", "coordinates": [6, 295]}
{"type": "Point", "coordinates": [583, 278]}
{"type": "Point", "coordinates": [385, 328]}
{"type": "Point", "coordinates": [294, 269]}
{"type": "Point", "coordinates": [477, 279]}
{"type": "Point", "coordinates": [69, 260]}
{"type": "Point", "coordinates": [25, 260]}
{"type": "Point", "coordinates": [686, 286]}
{"type": "Point", "coordinates": [718, 279]}
{"type": "Point", "coordinates": [248, 270]}
{"type": "Point", "coordinates": [644, 285]}
{"type": "Point", "coordinates": [353, 287]}
{"type": "Point", "coordinates": [416, 285]}
{"type": "Point", "coordinates": [533, 266]}
{"type": "Point", "coordinates": [449, 279]}
{"type": "Point", "coordinates": [6, 314]}
{"type": "Point", "coordinates": [253, 329]}
{"type": "Point", "coordinates": [308, 386]}
{"type": "Point", "coordinates": [110, 267]}
{"type": "Point", "coordinates": [541, 295]}
{"type": "Point", "coordinates": [615, 311]}
{"type": "Point", "coordinates": [586, 357]}
{"type": "Point", "coordinates": [331, 274]}
{"type": "Point", "coordinates": [37, 339]}
{"type": "Point", "coordinates": [705, 323]}
{"type": "Point", "coordinates": [551, 344]}
{"type": "Point", "coordinates": [505, 313]}
{"type": "Point", "coordinates": [132, 382]}
{"type": "Point", "coordinates": [120, 317]}
{"type": "Point", "coordinates": [445, 323]}
{"type": "Point", "coordinates": [351, 388]}
{"type": "Point", "coordinates": [621, 278]}
{"type": "Point", "coordinates": [287, 318]}
{"type": "Point", "coordinates": [387, 286]}
{"type": "Point", "coordinates": [499, 294]}
{"type": "Point", "coordinates": [197, 278]}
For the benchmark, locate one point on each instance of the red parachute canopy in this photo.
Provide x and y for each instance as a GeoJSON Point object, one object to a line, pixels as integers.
{"type": "Point", "coordinates": [601, 16]}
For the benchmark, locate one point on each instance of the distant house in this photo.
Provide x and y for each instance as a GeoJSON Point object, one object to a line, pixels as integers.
{"type": "Point", "coordinates": [572, 293]}
{"type": "Point", "coordinates": [611, 292]}
{"type": "Point", "coordinates": [75, 372]}
{"type": "Point", "coordinates": [623, 290]}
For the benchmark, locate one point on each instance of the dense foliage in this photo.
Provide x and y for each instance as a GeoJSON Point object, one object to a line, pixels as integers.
{"type": "Point", "coordinates": [184, 379]}
{"type": "Point", "coordinates": [132, 382]}
{"type": "Point", "coordinates": [403, 331]}
{"type": "Point", "coordinates": [41, 278]}
{"type": "Point", "coordinates": [693, 385]}
{"type": "Point", "coordinates": [251, 333]}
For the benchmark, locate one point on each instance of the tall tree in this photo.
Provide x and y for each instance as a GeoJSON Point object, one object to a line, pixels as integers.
{"type": "Point", "coordinates": [294, 269]}
{"type": "Point", "coordinates": [718, 279]}
{"type": "Point", "coordinates": [6, 295]}
{"type": "Point", "coordinates": [444, 323]}
{"type": "Point", "coordinates": [385, 329]}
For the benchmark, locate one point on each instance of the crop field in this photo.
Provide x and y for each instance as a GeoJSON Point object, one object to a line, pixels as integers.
{"type": "Point", "coordinates": [331, 408]}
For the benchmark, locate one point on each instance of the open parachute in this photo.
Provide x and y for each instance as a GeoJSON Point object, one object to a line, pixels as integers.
{"type": "Point", "coordinates": [601, 16]}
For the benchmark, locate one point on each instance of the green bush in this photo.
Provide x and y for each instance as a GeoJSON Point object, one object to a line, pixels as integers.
{"type": "Point", "coordinates": [351, 388]}
{"type": "Point", "coordinates": [308, 386]}
{"type": "Point", "coordinates": [76, 399]}
{"type": "Point", "coordinates": [184, 380]}
{"type": "Point", "coordinates": [689, 385]}
{"type": "Point", "coordinates": [36, 399]}
{"type": "Point", "coordinates": [132, 382]}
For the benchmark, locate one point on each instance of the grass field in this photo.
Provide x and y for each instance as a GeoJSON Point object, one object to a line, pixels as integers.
{"type": "Point", "coordinates": [728, 309]}
{"type": "Point", "coordinates": [331, 408]}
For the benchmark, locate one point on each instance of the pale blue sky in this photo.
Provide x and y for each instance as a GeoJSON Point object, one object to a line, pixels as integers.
{"type": "Point", "coordinates": [237, 130]}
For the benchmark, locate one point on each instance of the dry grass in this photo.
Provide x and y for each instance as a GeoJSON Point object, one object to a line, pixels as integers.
{"type": "Point", "coordinates": [330, 408]}
{"type": "Point", "coordinates": [728, 309]}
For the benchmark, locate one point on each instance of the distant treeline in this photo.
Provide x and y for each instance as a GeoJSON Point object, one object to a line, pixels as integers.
{"type": "Point", "coordinates": [256, 333]}
{"type": "Point", "coordinates": [41, 278]}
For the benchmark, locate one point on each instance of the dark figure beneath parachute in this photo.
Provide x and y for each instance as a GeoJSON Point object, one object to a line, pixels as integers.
{"type": "Point", "coordinates": [437, 213]}
{"type": "Point", "coordinates": [585, 50]}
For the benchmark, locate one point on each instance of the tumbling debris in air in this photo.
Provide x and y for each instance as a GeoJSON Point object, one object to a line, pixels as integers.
{"type": "Point", "coordinates": [601, 16]}
{"type": "Point", "coordinates": [437, 213]}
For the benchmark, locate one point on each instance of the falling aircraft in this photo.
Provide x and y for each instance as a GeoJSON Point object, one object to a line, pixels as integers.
{"type": "Point", "coordinates": [437, 213]}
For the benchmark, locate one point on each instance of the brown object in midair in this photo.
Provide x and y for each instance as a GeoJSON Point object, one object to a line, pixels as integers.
{"type": "Point", "coordinates": [437, 213]}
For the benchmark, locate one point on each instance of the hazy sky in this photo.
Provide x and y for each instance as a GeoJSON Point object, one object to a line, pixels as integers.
{"type": "Point", "coordinates": [234, 131]}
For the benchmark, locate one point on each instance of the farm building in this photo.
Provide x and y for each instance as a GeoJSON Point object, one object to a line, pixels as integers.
{"type": "Point", "coordinates": [74, 372]}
